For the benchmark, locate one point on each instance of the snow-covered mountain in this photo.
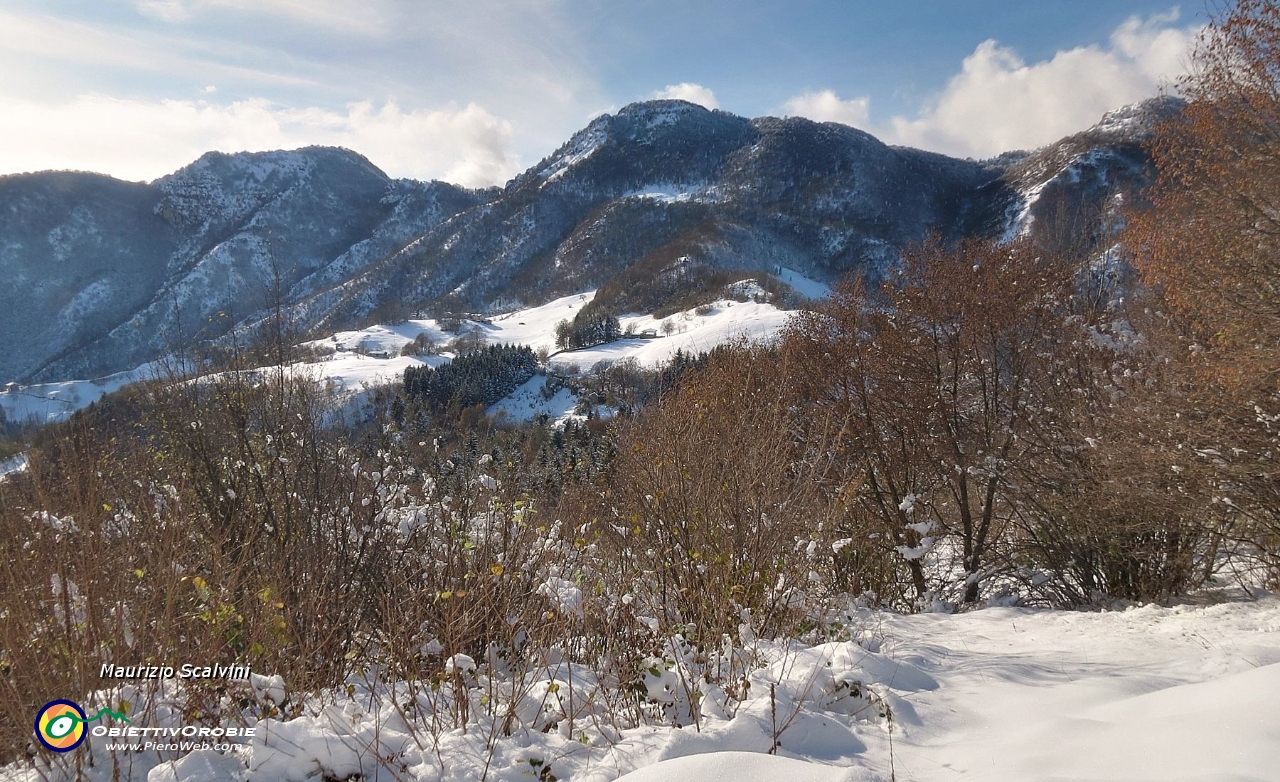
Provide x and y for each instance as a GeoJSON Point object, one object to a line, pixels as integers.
{"type": "Point", "coordinates": [105, 275]}
{"type": "Point", "coordinates": [653, 205]}
{"type": "Point", "coordinates": [650, 202]}
{"type": "Point", "coordinates": [1075, 185]}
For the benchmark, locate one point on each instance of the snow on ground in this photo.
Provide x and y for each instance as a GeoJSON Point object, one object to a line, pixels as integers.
{"type": "Point", "coordinates": [671, 193]}
{"type": "Point", "coordinates": [347, 373]}
{"type": "Point", "coordinates": [349, 369]}
{"type": "Point", "coordinates": [369, 357]}
{"type": "Point", "coordinates": [359, 363]}
{"type": "Point", "coordinates": [536, 326]}
{"type": "Point", "coordinates": [1020, 217]}
{"type": "Point", "coordinates": [388, 339]}
{"type": "Point", "coordinates": [810, 289]}
{"type": "Point", "coordinates": [44, 403]}
{"type": "Point", "coordinates": [1146, 693]}
{"type": "Point", "coordinates": [690, 332]}
{"type": "Point", "coordinates": [528, 402]}
{"type": "Point", "coordinates": [1150, 693]}
{"type": "Point", "coordinates": [743, 767]}
{"type": "Point", "coordinates": [582, 146]}
{"type": "Point", "coordinates": [351, 377]}
{"type": "Point", "coordinates": [13, 466]}
{"type": "Point", "coordinates": [351, 372]}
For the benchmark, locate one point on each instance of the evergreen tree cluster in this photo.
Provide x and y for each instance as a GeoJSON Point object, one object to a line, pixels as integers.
{"type": "Point", "coordinates": [587, 329]}
{"type": "Point", "coordinates": [555, 457]}
{"type": "Point", "coordinates": [483, 377]}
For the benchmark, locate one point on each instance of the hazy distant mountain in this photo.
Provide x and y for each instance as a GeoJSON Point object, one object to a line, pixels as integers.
{"type": "Point", "coordinates": [105, 275]}
{"type": "Point", "coordinates": [660, 199]}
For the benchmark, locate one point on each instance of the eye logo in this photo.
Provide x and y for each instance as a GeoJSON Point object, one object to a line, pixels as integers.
{"type": "Point", "coordinates": [60, 724]}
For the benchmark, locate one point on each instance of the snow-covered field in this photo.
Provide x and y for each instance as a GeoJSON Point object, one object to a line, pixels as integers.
{"type": "Point", "coordinates": [811, 289]}
{"type": "Point", "coordinates": [535, 327]}
{"type": "Point", "coordinates": [370, 357]}
{"type": "Point", "coordinates": [527, 402]}
{"type": "Point", "coordinates": [51, 402]}
{"type": "Point", "coordinates": [1150, 693]}
{"type": "Point", "coordinates": [353, 371]}
{"type": "Point", "coordinates": [689, 332]}
{"type": "Point", "coordinates": [1145, 693]}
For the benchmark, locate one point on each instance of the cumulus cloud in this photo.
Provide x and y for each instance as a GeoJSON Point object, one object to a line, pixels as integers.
{"type": "Point", "coordinates": [694, 93]}
{"type": "Point", "coordinates": [523, 63]}
{"type": "Point", "coordinates": [998, 102]}
{"type": "Point", "coordinates": [142, 140]}
{"type": "Point", "coordinates": [826, 106]}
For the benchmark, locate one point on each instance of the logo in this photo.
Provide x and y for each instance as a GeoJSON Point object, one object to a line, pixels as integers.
{"type": "Point", "coordinates": [60, 724]}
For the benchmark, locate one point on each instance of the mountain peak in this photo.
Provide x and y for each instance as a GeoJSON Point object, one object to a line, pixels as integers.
{"type": "Point", "coordinates": [664, 108]}
{"type": "Point", "coordinates": [1139, 119]}
{"type": "Point", "coordinates": [643, 119]}
{"type": "Point", "coordinates": [259, 166]}
{"type": "Point", "coordinates": [648, 141]}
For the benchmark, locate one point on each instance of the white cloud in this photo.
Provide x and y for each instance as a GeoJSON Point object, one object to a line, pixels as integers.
{"type": "Point", "coordinates": [524, 61]}
{"type": "Point", "coordinates": [826, 106]}
{"type": "Point", "coordinates": [142, 140]}
{"type": "Point", "coordinates": [364, 17]}
{"type": "Point", "coordinates": [92, 49]}
{"type": "Point", "coordinates": [694, 93]}
{"type": "Point", "coordinates": [172, 11]}
{"type": "Point", "coordinates": [1159, 49]}
{"type": "Point", "coordinates": [998, 102]}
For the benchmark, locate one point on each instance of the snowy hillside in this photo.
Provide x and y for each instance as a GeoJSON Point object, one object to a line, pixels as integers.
{"type": "Point", "coordinates": [1080, 180]}
{"type": "Point", "coordinates": [357, 360]}
{"type": "Point", "coordinates": [724, 320]}
{"type": "Point", "coordinates": [42, 403]}
{"type": "Point", "coordinates": [654, 342]}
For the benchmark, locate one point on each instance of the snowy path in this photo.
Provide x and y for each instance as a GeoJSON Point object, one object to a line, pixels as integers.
{"type": "Point", "coordinates": [1149, 693]}
{"type": "Point", "coordinates": [1186, 693]}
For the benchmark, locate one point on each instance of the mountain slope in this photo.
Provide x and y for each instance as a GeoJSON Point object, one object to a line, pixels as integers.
{"type": "Point", "coordinates": [80, 254]}
{"type": "Point", "coordinates": [111, 274]}
{"type": "Point", "coordinates": [656, 196]}
{"type": "Point", "coordinates": [1072, 182]}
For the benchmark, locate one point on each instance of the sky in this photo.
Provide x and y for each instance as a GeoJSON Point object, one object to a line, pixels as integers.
{"type": "Point", "coordinates": [475, 91]}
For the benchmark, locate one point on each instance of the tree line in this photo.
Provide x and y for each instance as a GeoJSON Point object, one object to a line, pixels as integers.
{"type": "Point", "coordinates": [482, 377]}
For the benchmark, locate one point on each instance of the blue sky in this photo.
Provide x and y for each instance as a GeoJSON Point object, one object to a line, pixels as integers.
{"type": "Point", "coordinates": [473, 91]}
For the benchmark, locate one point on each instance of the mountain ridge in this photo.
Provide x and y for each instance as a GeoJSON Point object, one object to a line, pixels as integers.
{"type": "Point", "coordinates": [659, 200]}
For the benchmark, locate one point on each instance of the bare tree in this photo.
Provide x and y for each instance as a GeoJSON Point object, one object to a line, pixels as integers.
{"type": "Point", "coordinates": [940, 388]}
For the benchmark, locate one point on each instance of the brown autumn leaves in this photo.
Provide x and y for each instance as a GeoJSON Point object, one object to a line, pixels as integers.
{"type": "Point", "coordinates": [988, 422]}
